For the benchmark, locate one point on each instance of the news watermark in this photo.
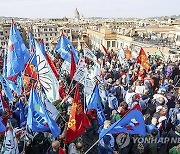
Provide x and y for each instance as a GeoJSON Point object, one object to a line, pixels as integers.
{"type": "Point", "coordinates": [163, 140]}
{"type": "Point", "coordinates": [124, 140]}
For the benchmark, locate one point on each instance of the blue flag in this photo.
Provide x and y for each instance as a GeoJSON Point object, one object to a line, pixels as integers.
{"type": "Point", "coordinates": [38, 119]}
{"type": "Point", "coordinates": [15, 85]}
{"type": "Point", "coordinates": [2, 127]}
{"type": "Point", "coordinates": [64, 46]}
{"type": "Point", "coordinates": [17, 54]}
{"type": "Point", "coordinates": [32, 49]}
{"type": "Point", "coordinates": [22, 115]}
{"type": "Point", "coordinates": [1, 107]}
{"type": "Point", "coordinates": [132, 123]}
{"type": "Point", "coordinates": [95, 103]}
{"type": "Point", "coordinates": [6, 88]}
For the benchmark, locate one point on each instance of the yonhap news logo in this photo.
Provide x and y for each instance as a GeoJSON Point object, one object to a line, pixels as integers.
{"type": "Point", "coordinates": [123, 140]}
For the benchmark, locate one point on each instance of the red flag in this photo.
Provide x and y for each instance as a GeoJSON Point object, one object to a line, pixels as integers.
{"type": "Point", "coordinates": [128, 54]}
{"type": "Point", "coordinates": [78, 121]}
{"type": "Point", "coordinates": [105, 50]}
{"type": "Point", "coordinates": [73, 66]}
{"type": "Point", "coordinates": [61, 151]}
{"type": "Point", "coordinates": [51, 64]}
{"type": "Point", "coordinates": [30, 71]}
{"type": "Point", "coordinates": [143, 60]}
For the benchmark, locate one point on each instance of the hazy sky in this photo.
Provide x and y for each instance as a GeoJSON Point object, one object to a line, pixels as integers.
{"type": "Point", "coordinates": [89, 8]}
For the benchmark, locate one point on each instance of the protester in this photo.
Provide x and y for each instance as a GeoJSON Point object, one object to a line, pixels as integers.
{"type": "Point", "coordinates": [122, 85]}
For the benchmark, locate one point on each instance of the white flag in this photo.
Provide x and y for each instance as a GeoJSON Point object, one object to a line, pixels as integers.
{"type": "Point", "coordinates": [79, 45]}
{"type": "Point", "coordinates": [88, 53]}
{"type": "Point", "coordinates": [89, 78]}
{"type": "Point", "coordinates": [46, 76]}
{"type": "Point", "coordinates": [10, 145]}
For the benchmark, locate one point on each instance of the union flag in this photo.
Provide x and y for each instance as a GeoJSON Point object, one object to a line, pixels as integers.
{"type": "Point", "coordinates": [143, 60]}
{"type": "Point", "coordinates": [78, 121]}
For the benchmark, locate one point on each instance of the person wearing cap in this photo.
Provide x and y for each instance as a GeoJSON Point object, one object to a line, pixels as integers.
{"type": "Point", "coordinates": [135, 100]}
{"type": "Point", "coordinates": [153, 126]}
{"type": "Point", "coordinates": [106, 144]}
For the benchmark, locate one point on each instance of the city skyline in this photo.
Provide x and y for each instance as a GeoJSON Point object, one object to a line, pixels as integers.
{"type": "Point", "coordinates": [93, 8]}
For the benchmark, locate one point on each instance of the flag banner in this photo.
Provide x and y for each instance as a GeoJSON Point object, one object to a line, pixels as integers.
{"type": "Point", "coordinates": [95, 102]}
{"type": "Point", "coordinates": [143, 60]}
{"type": "Point", "coordinates": [105, 50]}
{"type": "Point", "coordinates": [89, 78]}
{"type": "Point", "coordinates": [128, 54]}
{"type": "Point", "coordinates": [2, 127]}
{"type": "Point", "coordinates": [80, 72]}
{"type": "Point", "coordinates": [13, 85]}
{"type": "Point", "coordinates": [1, 107]}
{"type": "Point", "coordinates": [46, 76]}
{"type": "Point", "coordinates": [52, 111]}
{"type": "Point", "coordinates": [31, 70]}
{"type": "Point", "coordinates": [158, 54]}
{"type": "Point", "coordinates": [121, 57]}
{"type": "Point", "coordinates": [73, 66]}
{"type": "Point", "coordinates": [22, 115]}
{"type": "Point", "coordinates": [64, 46]}
{"type": "Point", "coordinates": [10, 145]}
{"type": "Point", "coordinates": [42, 47]}
{"type": "Point", "coordinates": [6, 88]}
{"type": "Point", "coordinates": [38, 119]}
{"type": "Point", "coordinates": [31, 44]}
{"type": "Point", "coordinates": [5, 105]}
{"type": "Point", "coordinates": [17, 54]}
{"type": "Point", "coordinates": [78, 121]}
{"type": "Point", "coordinates": [131, 123]}
{"type": "Point", "coordinates": [16, 85]}
{"type": "Point", "coordinates": [88, 53]}
{"type": "Point", "coordinates": [32, 49]}
{"type": "Point", "coordinates": [51, 64]}
{"type": "Point", "coordinates": [79, 45]}
{"type": "Point", "coordinates": [66, 66]}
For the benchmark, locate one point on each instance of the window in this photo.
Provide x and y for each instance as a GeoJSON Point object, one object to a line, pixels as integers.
{"type": "Point", "coordinates": [108, 44]}
{"type": "Point", "coordinates": [55, 34]}
{"type": "Point", "coordinates": [113, 43]}
{"type": "Point", "coordinates": [178, 38]}
{"type": "Point", "coordinates": [117, 44]}
{"type": "Point", "coordinates": [50, 34]}
{"type": "Point", "coordinates": [45, 29]}
{"type": "Point", "coordinates": [46, 39]}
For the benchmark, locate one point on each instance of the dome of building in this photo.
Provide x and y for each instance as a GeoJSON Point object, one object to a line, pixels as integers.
{"type": "Point", "coordinates": [76, 14]}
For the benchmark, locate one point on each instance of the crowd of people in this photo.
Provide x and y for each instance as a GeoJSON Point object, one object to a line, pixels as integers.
{"type": "Point", "coordinates": [156, 91]}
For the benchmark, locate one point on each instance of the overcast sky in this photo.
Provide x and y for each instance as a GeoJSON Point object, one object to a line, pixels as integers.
{"type": "Point", "coordinates": [89, 8]}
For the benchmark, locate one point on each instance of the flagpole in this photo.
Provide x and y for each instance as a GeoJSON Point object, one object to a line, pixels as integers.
{"type": "Point", "coordinates": [92, 146]}
{"type": "Point", "coordinates": [109, 130]}
{"type": "Point", "coordinates": [85, 74]}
